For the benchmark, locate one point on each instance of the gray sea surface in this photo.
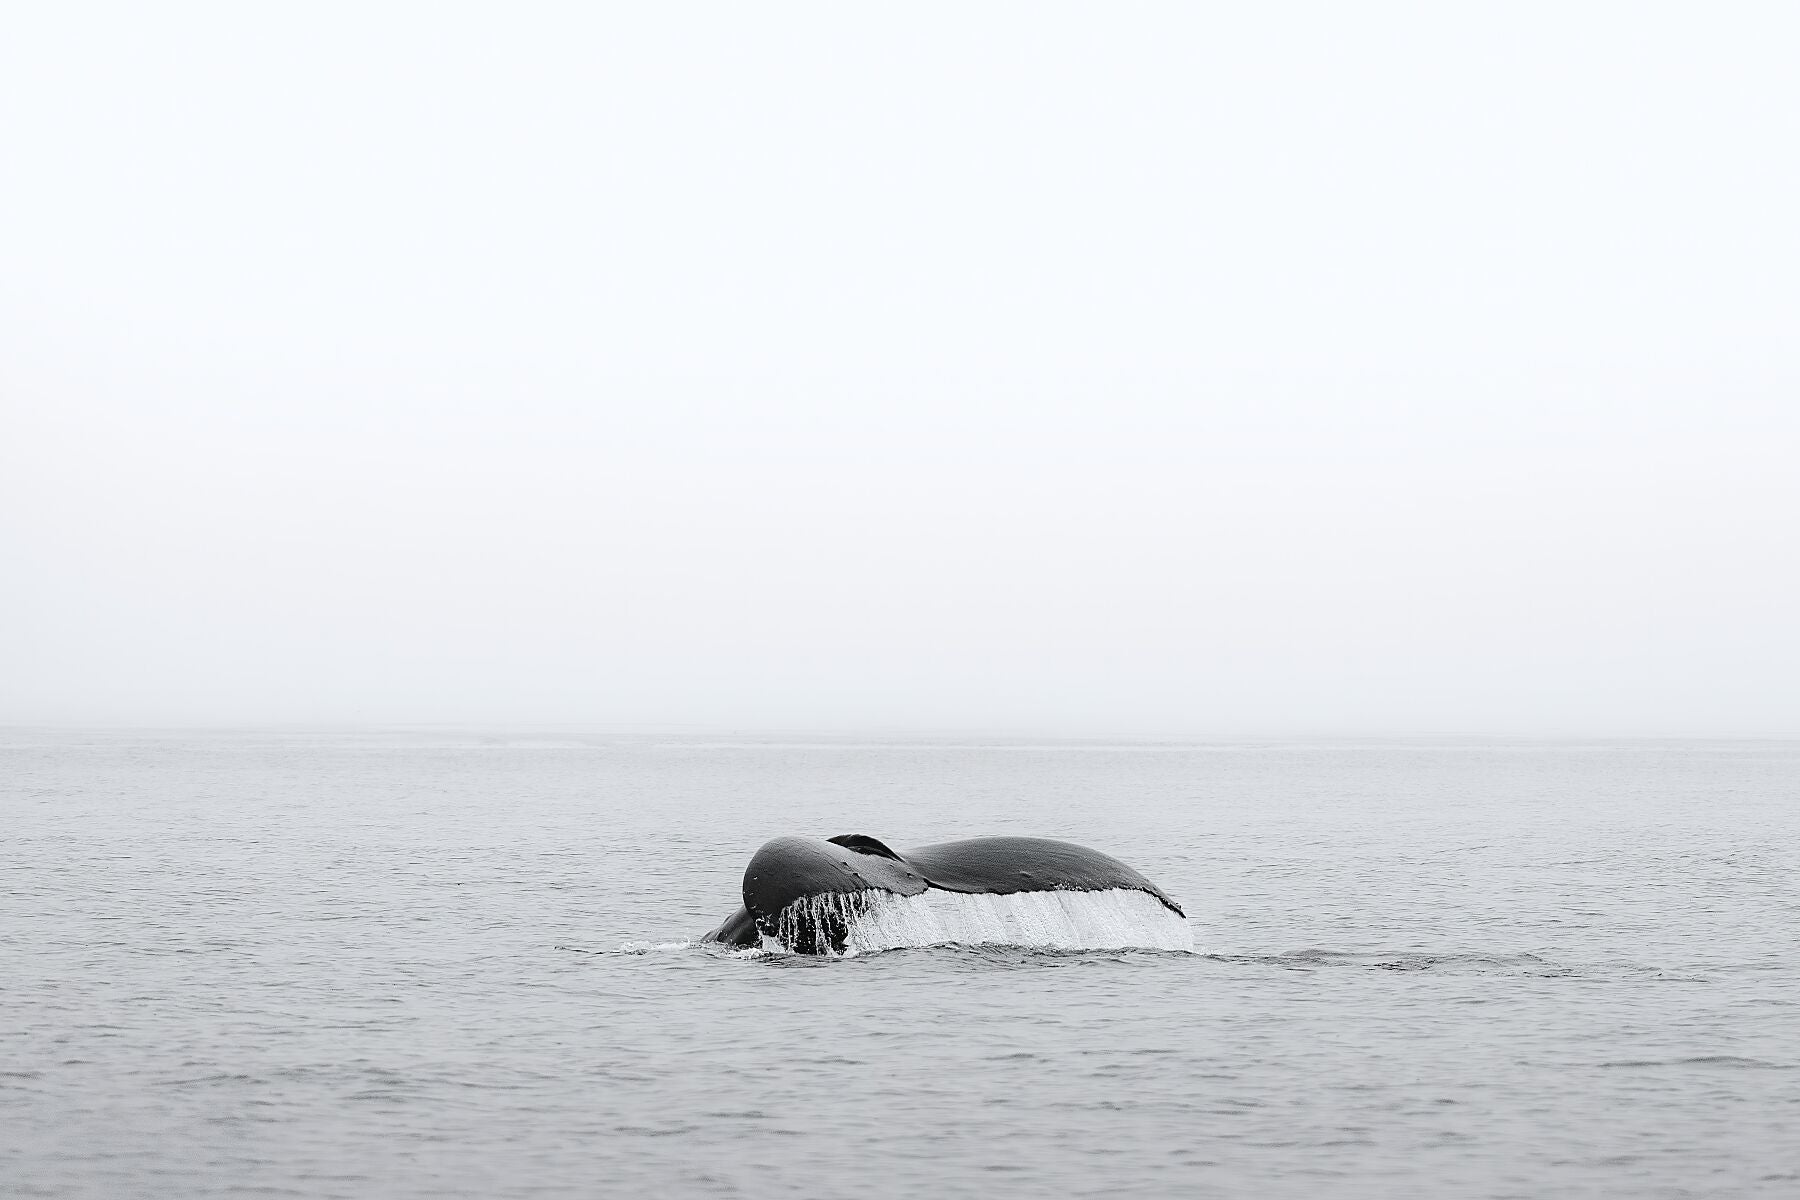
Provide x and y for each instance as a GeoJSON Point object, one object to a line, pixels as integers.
{"type": "Point", "coordinates": [430, 963]}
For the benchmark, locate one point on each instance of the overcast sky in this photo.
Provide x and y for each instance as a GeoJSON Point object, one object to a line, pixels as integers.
{"type": "Point", "coordinates": [1115, 369]}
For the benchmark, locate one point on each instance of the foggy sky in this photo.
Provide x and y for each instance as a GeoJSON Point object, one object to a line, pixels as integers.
{"type": "Point", "coordinates": [1113, 369]}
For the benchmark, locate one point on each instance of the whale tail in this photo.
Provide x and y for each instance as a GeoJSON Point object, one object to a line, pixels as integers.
{"type": "Point", "coordinates": [854, 892]}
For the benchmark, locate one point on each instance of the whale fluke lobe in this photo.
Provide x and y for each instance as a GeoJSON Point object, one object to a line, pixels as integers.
{"type": "Point", "coordinates": [853, 893]}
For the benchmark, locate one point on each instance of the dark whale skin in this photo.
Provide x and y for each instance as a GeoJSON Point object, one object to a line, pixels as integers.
{"type": "Point", "coordinates": [795, 868]}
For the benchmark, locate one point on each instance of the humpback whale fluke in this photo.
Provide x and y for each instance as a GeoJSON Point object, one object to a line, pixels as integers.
{"type": "Point", "coordinates": [854, 892]}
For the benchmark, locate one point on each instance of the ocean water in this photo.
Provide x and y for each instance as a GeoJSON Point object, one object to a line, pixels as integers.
{"type": "Point", "coordinates": [462, 964]}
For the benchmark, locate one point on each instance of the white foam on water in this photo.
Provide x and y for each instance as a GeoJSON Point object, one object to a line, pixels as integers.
{"type": "Point", "coordinates": [650, 947]}
{"type": "Point", "coordinates": [1116, 919]}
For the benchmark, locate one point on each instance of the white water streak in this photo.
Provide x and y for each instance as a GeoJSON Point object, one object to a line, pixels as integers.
{"type": "Point", "coordinates": [1063, 920]}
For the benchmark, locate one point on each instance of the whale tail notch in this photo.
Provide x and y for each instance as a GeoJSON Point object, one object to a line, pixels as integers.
{"type": "Point", "coordinates": [862, 843]}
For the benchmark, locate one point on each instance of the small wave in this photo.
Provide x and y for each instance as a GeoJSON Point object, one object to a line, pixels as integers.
{"type": "Point", "coordinates": [1473, 962]}
{"type": "Point", "coordinates": [1704, 1060]}
{"type": "Point", "coordinates": [1509, 964]}
{"type": "Point", "coordinates": [872, 921]}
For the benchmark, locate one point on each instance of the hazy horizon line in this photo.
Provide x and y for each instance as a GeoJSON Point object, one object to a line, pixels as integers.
{"type": "Point", "coordinates": [876, 732]}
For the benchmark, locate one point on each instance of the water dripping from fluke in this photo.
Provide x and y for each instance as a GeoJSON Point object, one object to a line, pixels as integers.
{"type": "Point", "coordinates": [849, 924]}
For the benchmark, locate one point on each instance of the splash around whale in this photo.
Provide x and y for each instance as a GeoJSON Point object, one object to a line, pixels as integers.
{"type": "Point", "coordinates": [852, 894]}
